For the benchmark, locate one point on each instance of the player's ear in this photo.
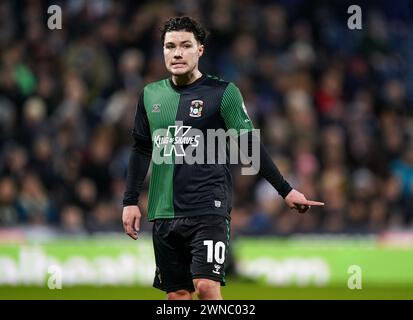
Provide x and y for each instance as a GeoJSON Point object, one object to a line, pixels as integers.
{"type": "Point", "coordinates": [201, 50]}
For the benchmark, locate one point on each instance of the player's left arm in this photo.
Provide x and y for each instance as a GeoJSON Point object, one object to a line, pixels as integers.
{"type": "Point", "coordinates": [235, 116]}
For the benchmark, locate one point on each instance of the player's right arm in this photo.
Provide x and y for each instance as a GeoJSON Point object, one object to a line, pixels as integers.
{"type": "Point", "coordinates": [139, 161]}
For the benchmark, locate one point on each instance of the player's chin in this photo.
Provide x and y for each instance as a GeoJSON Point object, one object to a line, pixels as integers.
{"type": "Point", "coordinates": [178, 71]}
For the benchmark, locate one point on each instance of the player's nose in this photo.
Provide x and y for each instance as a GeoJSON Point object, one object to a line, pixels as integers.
{"type": "Point", "coordinates": [178, 53]}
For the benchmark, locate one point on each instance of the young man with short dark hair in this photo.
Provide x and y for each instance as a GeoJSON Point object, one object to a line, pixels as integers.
{"type": "Point", "coordinates": [190, 204]}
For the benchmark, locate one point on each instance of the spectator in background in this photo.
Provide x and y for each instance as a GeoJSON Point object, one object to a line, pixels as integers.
{"type": "Point", "coordinates": [9, 210]}
{"type": "Point", "coordinates": [35, 204]}
{"type": "Point", "coordinates": [72, 221]}
{"type": "Point", "coordinates": [403, 170]}
{"type": "Point", "coordinates": [103, 218]}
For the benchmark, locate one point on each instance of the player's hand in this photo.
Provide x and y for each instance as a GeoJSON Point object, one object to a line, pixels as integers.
{"type": "Point", "coordinates": [131, 218]}
{"type": "Point", "coordinates": [296, 200]}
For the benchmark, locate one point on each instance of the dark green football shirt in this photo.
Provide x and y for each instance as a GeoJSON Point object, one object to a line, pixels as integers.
{"type": "Point", "coordinates": [182, 189]}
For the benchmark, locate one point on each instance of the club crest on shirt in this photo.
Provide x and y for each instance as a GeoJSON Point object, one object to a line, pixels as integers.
{"type": "Point", "coordinates": [156, 107]}
{"type": "Point", "coordinates": [196, 108]}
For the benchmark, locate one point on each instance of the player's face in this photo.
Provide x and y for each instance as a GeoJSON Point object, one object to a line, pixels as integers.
{"type": "Point", "coordinates": [181, 52]}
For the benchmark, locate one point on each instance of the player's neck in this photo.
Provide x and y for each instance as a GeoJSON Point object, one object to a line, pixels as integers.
{"type": "Point", "coordinates": [186, 79]}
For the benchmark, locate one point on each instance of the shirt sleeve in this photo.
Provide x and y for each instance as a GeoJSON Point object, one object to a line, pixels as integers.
{"type": "Point", "coordinates": [140, 156]}
{"type": "Point", "coordinates": [270, 171]}
{"type": "Point", "coordinates": [266, 167]}
{"type": "Point", "coordinates": [141, 127]}
{"type": "Point", "coordinates": [139, 161]}
{"type": "Point", "coordinates": [233, 110]}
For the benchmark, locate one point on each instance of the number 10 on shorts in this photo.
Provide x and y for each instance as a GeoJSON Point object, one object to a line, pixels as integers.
{"type": "Point", "coordinates": [217, 251]}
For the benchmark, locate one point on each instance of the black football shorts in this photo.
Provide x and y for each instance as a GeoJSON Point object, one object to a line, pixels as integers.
{"type": "Point", "coordinates": [190, 248]}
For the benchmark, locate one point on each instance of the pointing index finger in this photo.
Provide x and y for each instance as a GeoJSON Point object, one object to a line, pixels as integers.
{"type": "Point", "coordinates": [314, 203]}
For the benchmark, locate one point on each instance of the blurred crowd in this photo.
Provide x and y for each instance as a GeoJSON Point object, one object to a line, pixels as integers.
{"type": "Point", "coordinates": [334, 107]}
